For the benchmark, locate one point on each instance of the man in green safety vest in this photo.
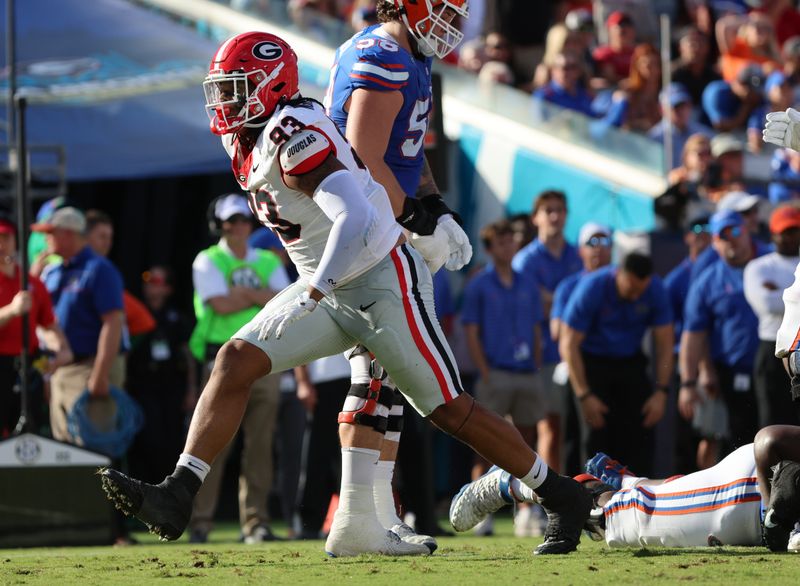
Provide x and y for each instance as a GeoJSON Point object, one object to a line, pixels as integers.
{"type": "Point", "coordinates": [232, 282]}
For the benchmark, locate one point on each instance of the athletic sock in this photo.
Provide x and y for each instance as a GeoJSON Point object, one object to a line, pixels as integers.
{"type": "Point", "coordinates": [384, 495]}
{"type": "Point", "coordinates": [358, 476]}
{"type": "Point", "coordinates": [196, 465]}
{"type": "Point", "coordinates": [359, 368]}
{"type": "Point", "coordinates": [523, 489]}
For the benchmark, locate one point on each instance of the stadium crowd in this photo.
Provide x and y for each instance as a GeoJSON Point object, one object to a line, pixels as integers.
{"type": "Point", "coordinates": [551, 334]}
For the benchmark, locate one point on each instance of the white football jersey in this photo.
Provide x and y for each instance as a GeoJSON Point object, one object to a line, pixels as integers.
{"type": "Point", "coordinates": [294, 217]}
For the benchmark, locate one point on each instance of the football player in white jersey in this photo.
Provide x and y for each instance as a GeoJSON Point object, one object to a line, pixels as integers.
{"type": "Point", "coordinates": [359, 283]}
{"type": "Point", "coordinates": [721, 505]}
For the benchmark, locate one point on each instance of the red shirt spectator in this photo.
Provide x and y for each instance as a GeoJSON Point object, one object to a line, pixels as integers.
{"type": "Point", "coordinates": [614, 59]}
{"type": "Point", "coordinates": [40, 314]}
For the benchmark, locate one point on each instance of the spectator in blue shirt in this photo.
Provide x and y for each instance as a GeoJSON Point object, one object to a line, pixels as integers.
{"type": "Point", "coordinates": [729, 106]}
{"type": "Point", "coordinates": [601, 338]}
{"type": "Point", "coordinates": [502, 318]}
{"type": "Point", "coordinates": [565, 88]}
{"type": "Point", "coordinates": [594, 248]}
{"type": "Point", "coordinates": [681, 120]}
{"type": "Point", "coordinates": [546, 261]}
{"type": "Point", "coordinates": [86, 290]}
{"type": "Point", "coordinates": [718, 320]}
{"type": "Point", "coordinates": [785, 184]}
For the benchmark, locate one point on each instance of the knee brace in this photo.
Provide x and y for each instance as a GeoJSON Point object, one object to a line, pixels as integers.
{"type": "Point", "coordinates": [395, 424]}
{"type": "Point", "coordinates": [367, 405]}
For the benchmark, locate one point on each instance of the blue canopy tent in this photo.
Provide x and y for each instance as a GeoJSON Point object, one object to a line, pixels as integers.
{"type": "Point", "coordinates": [117, 85]}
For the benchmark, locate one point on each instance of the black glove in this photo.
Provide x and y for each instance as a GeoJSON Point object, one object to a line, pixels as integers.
{"type": "Point", "coordinates": [416, 218]}
{"type": "Point", "coordinates": [436, 206]}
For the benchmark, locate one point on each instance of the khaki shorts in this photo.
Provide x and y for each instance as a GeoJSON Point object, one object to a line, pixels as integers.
{"type": "Point", "coordinates": [517, 394]}
{"type": "Point", "coordinates": [388, 309]}
{"type": "Point", "coordinates": [557, 394]}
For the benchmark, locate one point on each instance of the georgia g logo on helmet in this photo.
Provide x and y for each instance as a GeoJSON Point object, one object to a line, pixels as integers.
{"type": "Point", "coordinates": [267, 51]}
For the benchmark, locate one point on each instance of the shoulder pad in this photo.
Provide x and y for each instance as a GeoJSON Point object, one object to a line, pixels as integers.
{"type": "Point", "coordinates": [381, 64]}
{"type": "Point", "coordinates": [305, 151]}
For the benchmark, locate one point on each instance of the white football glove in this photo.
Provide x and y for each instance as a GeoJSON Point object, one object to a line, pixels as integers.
{"type": "Point", "coordinates": [460, 248]}
{"type": "Point", "coordinates": [275, 324]}
{"type": "Point", "coordinates": [783, 129]}
{"type": "Point", "coordinates": [435, 249]}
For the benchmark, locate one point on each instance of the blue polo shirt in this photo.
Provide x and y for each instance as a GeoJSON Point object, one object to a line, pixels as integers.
{"type": "Point", "coordinates": [506, 317]}
{"type": "Point", "coordinates": [580, 101]}
{"type": "Point", "coordinates": [716, 304]}
{"type": "Point", "coordinates": [563, 293]}
{"type": "Point", "coordinates": [710, 257]}
{"type": "Point", "coordinates": [545, 270]}
{"type": "Point", "coordinates": [785, 184]}
{"type": "Point", "coordinates": [442, 295]}
{"type": "Point", "coordinates": [82, 291]}
{"type": "Point", "coordinates": [614, 327]}
{"type": "Point", "coordinates": [677, 285]}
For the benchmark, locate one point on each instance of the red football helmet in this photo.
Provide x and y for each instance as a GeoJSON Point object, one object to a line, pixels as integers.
{"type": "Point", "coordinates": [430, 23]}
{"type": "Point", "coordinates": [250, 74]}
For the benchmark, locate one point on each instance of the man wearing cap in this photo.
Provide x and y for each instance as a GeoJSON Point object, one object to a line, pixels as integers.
{"type": "Point", "coordinates": [784, 183]}
{"type": "Point", "coordinates": [86, 290]}
{"type": "Point", "coordinates": [594, 248]}
{"type": "Point", "coordinates": [614, 59]}
{"type": "Point", "coordinates": [680, 120]}
{"type": "Point", "coordinates": [502, 316]}
{"type": "Point", "coordinates": [765, 279]}
{"type": "Point", "coordinates": [718, 319]}
{"type": "Point", "coordinates": [13, 305]}
{"type": "Point", "coordinates": [601, 338]}
{"type": "Point", "coordinates": [730, 105]}
{"type": "Point", "coordinates": [697, 237]}
{"type": "Point", "coordinates": [232, 282]}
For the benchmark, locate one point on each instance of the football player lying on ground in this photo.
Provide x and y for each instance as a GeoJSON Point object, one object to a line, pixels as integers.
{"type": "Point", "coordinates": [721, 505]}
{"type": "Point", "coordinates": [359, 283]}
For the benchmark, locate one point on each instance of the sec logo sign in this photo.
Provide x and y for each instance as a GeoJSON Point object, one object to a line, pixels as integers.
{"type": "Point", "coordinates": [27, 450]}
{"type": "Point", "coordinates": [267, 51]}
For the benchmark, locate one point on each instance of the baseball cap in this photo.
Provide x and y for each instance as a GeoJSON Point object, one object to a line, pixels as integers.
{"type": "Point", "coordinates": [579, 19]}
{"type": "Point", "coordinates": [738, 201]}
{"type": "Point", "coordinates": [617, 18]}
{"type": "Point", "coordinates": [68, 218]}
{"type": "Point", "coordinates": [698, 223]}
{"type": "Point", "coordinates": [590, 229]}
{"type": "Point", "coordinates": [230, 205]}
{"type": "Point", "coordinates": [725, 143]}
{"type": "Point", "coordinates": [775, 79]}
{"type": "Point", "coordinates": [751, 75]}
{"type": "Point", "coordinates": [783, 218]}
{"type": "Point", "coordinates": [676, 94]}
{"type": "Point", "coordinates": [725, 219]}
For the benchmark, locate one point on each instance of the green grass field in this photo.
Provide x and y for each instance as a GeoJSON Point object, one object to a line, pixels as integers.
{"type": "Point", "coordinates": [460, 560]}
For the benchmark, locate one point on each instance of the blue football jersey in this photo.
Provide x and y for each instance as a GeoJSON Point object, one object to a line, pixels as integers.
{"type": "Point", "coordinates": [373, 60]}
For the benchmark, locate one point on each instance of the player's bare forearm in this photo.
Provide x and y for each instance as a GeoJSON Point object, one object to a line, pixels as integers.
{"type": "Point", "coordinates": [427, 184]}
{"type": "Point", "coordinates": [108, 344]}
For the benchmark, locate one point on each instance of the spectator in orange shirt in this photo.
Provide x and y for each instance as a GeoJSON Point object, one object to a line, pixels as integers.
{"type": "Point", "coordinates": [746, 40]}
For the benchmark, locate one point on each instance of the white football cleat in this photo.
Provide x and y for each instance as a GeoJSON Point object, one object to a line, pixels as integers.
{"type": "Point", "coordinates": [480, 498]}
{"type": "Point", "coordinates": [353, 535]}
{"type": "Point", "coordinates": [407, 534]}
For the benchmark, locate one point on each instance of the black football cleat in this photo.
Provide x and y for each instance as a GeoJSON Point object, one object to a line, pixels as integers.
{"type": "Point", "coordinates": [566, 516]}
{"type": "Point", "coordinates": [784, 505]}
{"type": "Point", "coordinates": [165, 508]}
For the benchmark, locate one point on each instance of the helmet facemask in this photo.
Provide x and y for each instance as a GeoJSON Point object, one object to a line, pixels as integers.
{"type": "Point", "coordinates": [436, 34]}
{"type": "Point", "coordinates": [246, 95]}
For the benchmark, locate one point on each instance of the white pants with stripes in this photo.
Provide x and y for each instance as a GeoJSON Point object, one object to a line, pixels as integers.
{"type": "Point", "coordinates": [788, 338]}
{"type": "Point", "coordinates": [722, 501]}
{"type": "Point", "coordinates": [389, 309]}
